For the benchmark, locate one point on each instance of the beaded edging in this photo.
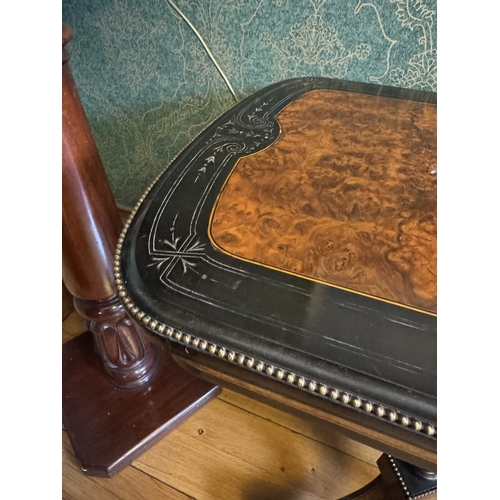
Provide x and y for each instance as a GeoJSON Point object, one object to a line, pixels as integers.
{"type": "Point", "coordinates": [344, 398]}
{"type": "Point", "coordinates": [312, 386]}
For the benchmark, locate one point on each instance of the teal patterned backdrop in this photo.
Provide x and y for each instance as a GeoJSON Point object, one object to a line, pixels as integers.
{"type": "Point", "coordinates": [149, 87]}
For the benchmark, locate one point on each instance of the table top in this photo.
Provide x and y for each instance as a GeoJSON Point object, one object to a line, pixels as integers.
{"type": "Point", "coordinates": [296, 237]}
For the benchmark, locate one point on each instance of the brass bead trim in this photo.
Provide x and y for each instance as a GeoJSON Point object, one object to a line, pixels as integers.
{"type": "Point", "coordinates": [308, 385]}
{"type": "Point", "coordinates": [272, 371]}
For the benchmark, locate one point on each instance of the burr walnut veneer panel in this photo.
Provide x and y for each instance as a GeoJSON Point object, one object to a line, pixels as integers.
{"type": "Point", "coordinates": [347, 196]}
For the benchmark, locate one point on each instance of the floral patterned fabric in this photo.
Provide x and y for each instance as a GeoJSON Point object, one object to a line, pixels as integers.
{"type": "Point", "coordinates": [149, 87]}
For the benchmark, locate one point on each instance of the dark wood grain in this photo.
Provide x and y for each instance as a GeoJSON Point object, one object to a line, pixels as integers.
{"type": "Point", "coordinates": [128, 357]}
{"type": "Point", "coordinates": [109, 428]}
{"type": "Point", "coordinates": [346, 196]}
{"type": "Point", "coordinates": [91, 226]}
{"type": "Point", "coordinates": [90, 220]}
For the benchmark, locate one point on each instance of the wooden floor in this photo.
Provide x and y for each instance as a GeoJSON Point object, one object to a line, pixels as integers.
{"type": "Point", "coordinates": [233, 448]}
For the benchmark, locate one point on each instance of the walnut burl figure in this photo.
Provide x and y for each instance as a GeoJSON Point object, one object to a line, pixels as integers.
{"type": "Point", "coordinates": [350, 207]}
{"type": "Point", "coordinates": [121, 391]}
{"type": "Point", "coordinates": [289, 253]}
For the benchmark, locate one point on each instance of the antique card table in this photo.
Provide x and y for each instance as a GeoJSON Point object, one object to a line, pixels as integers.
{"type": "Point", "coordinates": [289, 252]}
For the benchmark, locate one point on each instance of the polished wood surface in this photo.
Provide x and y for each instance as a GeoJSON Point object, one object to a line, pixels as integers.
{"type": "Point", "coordinates": [91, 225]}
{"type": "Point", "coordinates": [233, 448]}
{"type": "Point", "coordinates": [239, 448]}
{"type": "Point", "coordinates": [128, 357]}
{"type": "Point", "coordinates": [90, 221]}
{"type": "Point", "coordinates": [109, 428]}
{"type": "Point", "coordinates": [346, 196]}
{"type": "Point", "coordinates": [120, 391]}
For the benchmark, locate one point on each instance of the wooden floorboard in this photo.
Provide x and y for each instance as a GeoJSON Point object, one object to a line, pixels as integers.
{"type": "Point", "coordinates": [226, 452]}
{"type": "Point", "coordinates": [233, 448]}
{"type": "Point", "coordinates": [322, 433]}
{"type": "Point", "coordinates": [130, 484]}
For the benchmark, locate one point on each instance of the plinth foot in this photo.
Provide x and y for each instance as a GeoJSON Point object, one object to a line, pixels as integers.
{"type": "Point", "coordinates": [108, 427]}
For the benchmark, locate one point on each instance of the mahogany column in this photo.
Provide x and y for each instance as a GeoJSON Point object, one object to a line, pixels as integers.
{"type": "Point", "coordinates": [91, 227]}
{"type": "Point", "coordinates": [118, 402]}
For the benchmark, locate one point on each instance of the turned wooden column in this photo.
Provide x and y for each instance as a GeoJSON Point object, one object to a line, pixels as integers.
{"type": "Point", "coordinates": [108, 426]}
{"type": "Point", "coordinates": [91, 226]}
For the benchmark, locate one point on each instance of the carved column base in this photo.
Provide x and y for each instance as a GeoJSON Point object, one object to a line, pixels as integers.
{"type": "Point", "coordinates": [108, 427]}
{"type": "Point", "coordinates": [128, 357]}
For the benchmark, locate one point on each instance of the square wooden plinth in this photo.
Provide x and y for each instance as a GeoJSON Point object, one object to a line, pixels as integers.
{"type": "Point", "coordinates": [109, 428]}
